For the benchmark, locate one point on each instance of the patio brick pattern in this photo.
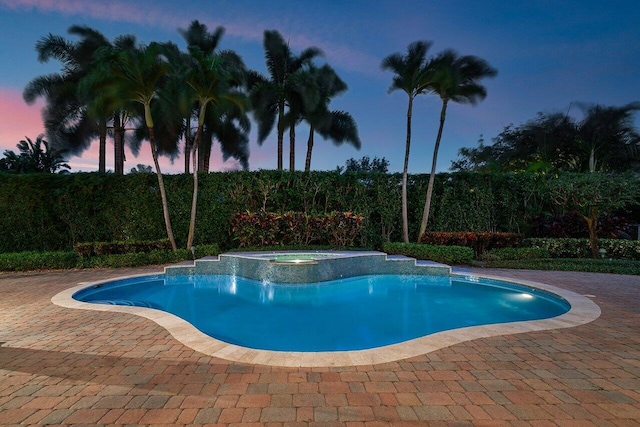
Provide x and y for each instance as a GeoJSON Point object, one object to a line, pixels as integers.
{"type": "Point", "coordinates": [64, 366]}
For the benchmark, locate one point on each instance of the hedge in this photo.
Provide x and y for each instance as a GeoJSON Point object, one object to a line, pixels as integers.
{"type": "Point", "coordinates": [45, 212]}
{"type": "Point", "coordinates": [579, 248]}
{"type": "Point", "coordinates": [29, 260]}
{"type": "Point", "coordinates": [25, 261]}
{"type": "Point", "coordinates": [479, 242]}
{"type": "Point", "coordinates": [518, 253]}
{"type": "Point", "coordinates": [443, 254]}
{"type": "Point", "coordinates": [127, 247]}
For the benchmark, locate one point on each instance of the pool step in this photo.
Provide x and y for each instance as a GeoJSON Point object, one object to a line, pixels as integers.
{"type": "Point", "coordinates": [337, 266]}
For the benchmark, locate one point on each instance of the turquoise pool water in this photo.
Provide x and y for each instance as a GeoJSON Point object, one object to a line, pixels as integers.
{"type": "Point", "coordinates": [348, 314]}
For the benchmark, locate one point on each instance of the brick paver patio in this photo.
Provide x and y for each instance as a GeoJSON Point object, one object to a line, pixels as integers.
{"type": "Point", "coordinates": [64, 366]}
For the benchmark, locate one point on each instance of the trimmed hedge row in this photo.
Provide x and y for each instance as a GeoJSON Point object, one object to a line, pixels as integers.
{"type": "Point", "coordinates": [518, 253]}
{"type": "Point", "coordinates": [25, 261]}
{"type": "Point", "coordinates": [616, 266]}
{"type": "Point", "coordinates": [48, 212]}
{"type": "Point", "coordinates": [579, 248]}
{"type": "Point", "coordinates": [443, 254]}
{"type": "Point", "coordinates": [479, 242]}
{"type": "Point", "coordinates": [112, 248]}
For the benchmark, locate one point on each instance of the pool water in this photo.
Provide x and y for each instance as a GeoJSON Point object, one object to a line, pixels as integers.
{"type": "Point", "coordinates": [348, 314]}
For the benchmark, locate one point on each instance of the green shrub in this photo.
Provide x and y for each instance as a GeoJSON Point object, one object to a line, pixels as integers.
{"type": "Point", "coordinates": [443, 254]}
{"type": "Point", "coordinates": [616, 266]}
{"type": "Point", "coordinates": [519, 253]}
{"type": "Point", "coordinates": [620, 249]}
{"type": "Point", "coordinates": [127, 247]}
{"type": "Point", "coordinates": [148, 258]}
{"type": "Point", "coordinates": [579, 248]}
{"type": "Point", "coordinates": [136, 259]}
{"type": "Point", "coordinates": [479, 242]}
{"type": "Point", "coordinates": [23, 261]}
{"type": "Point", "coordinates": [45, 212]}
{"type": "Point", "coordinates": [297, 248]}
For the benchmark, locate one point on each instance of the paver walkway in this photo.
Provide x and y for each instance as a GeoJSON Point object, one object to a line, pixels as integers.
{"type": "Point", "coordinates": [63, 366]}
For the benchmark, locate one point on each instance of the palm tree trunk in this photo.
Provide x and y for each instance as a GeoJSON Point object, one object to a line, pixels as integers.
{"type": "Point", "coordinates": [207, 153]}
{"type": "Point", "coordinates": [187, 147]}
{"type": "Point", "coordinates": [280, 133]}
{"type": "Point", "coordinates": [118, 143]}
{"type": "Point", "coordinates": [194, 199]}
{"type": "Point", "coordinates": [592, 223]}
{"type": "Point", "coordinates": [405, 213]}
{"type": "Point", "coordinates": [163, 193]}
{"type": "Point", "coordinates": [102, 156]}
{"type": "Point", "coordinates": [432, 176]}
{"type": "Point", "coordinates": [200, 157]}
{"type": "Point", "coordinates": [307, 162]}
{"type": "Point", "coordinates": [292, 147]}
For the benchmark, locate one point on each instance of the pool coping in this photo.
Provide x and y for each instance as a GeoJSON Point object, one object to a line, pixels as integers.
{"type": "Point", "coordinates": [582, 311]}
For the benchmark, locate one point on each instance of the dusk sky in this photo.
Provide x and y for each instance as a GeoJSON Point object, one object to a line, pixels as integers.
{"type": "Point", "coordinates": [550, 55]}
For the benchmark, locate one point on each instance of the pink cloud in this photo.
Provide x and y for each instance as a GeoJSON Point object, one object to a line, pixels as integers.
{"type": "Point", "coordinates": [17, 119]}
{"type": "Point", "coordinates": [112, 10]}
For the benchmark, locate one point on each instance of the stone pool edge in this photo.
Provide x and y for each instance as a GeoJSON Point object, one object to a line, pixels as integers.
{"type": "Point", "coordinates": [582, 311]}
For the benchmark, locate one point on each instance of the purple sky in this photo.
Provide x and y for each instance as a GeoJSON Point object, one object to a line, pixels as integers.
{"type": "Point", "coordinates": [548, 55]}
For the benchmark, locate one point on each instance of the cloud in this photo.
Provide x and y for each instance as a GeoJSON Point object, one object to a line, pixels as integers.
{"type": "Point", "coordinates": [244, 28]}
{"type": "Point", "coordinates": [17, 119]}
{"type": "Point", "coordinates": [112, 10]}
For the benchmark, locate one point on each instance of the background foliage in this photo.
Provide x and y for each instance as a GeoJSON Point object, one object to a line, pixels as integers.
{"type": "Point", "coordinates": [46, 212]}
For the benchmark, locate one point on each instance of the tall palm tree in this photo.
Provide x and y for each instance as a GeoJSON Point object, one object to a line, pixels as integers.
{"type": "Point", "coordinates": [136, 77]}
{"type": "Point", "coordinates": [213, 79]}
{"type": "Point", "coordinates": [269, 95]}
{"type": "Point", "coordinates": [457, 79]}
{"type": "Point", "coordinates": [303, 96]}
{"type": "Point", "coordinates": [65, 116]}
{"type": "Point", "coordinates": [338, 126]}
{"type": "Point", "coordinates": [198, 35]}
{"type": "Point", "coordinates": [412, 76]}
{"type": "Point", "coordinates": [74, 117]}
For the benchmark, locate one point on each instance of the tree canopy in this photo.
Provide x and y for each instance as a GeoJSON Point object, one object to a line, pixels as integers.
{"type": "Point", "coordinates": [34, 157]}
{"type": "Point", "coordinates": [604, 140]}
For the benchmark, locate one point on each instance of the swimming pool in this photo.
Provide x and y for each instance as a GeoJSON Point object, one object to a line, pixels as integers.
{"type": "Point", "coordinates": [356, 313]}
{"type": "Point", "coordinates": [244, 287]}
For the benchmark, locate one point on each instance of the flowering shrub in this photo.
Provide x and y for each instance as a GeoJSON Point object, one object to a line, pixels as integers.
{"type": "Point", "coordinates": [295, 228]}
{"type": "Point", "coordinates": [579, 248]}
{"type": "Point", "coordinates": [479, 242]}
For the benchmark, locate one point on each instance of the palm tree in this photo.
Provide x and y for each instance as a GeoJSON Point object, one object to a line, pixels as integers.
{"type": "Point", "coordinates": [213, 79]}
{"type": "Point", "coordinates": [338, 126]}
{"type": "Point", "coordinates": [607, 138]}
{"type": "Point", "coordinates": [303, 96]}
{"type": "Point", "coordinates": [457, 79]}
{"type": "Point", "coordinates": [65, 116]}
{"type": "Point", "coordinates": [412, 76]}
{"type": "Point", "coordinates": [197, 35]}
{"type": "Point", "coordinates": [269, 96]}
{"type": "Point", "coordinates": [34, 157]}
{"type": "Point", "coordinates": [73, 117]}
{"type": "Point", "coordinates": [135, 76]}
